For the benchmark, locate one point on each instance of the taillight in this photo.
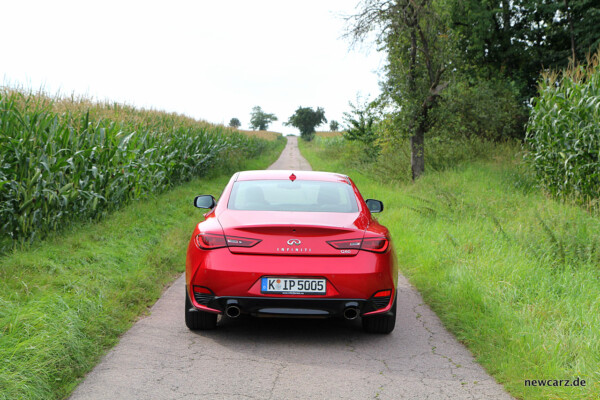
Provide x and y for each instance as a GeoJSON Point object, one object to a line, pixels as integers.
{"type": "Point", "coordinates": [234, 241]}
{"type": "Point", "coordinates": [210, 241]}
{"type": "Point", "coordinates": [378, 245]}
{"type": "Point", "coordinates": [345, 244]}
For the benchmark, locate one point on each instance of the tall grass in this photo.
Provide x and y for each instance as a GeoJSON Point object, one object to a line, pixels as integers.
{"type": "Point", "coordinates": [512, 273]}
{"type": "Point", "coordinates": [72, 159]}
{"type": "Point", "coordinates": [328, 134]}
{"type": "Point", "coordinates": [65, 300]}
{"type": "Point", "coordinates": [564, 132]}
{"type": "Point", "coordinates": [393, 162]}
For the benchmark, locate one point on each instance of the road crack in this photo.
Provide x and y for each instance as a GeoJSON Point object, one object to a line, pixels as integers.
{"type": "Point", "coordinates": [277, 376]}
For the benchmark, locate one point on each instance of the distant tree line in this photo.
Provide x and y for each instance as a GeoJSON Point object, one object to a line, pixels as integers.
{"type": "Point", "coordinates": [306, 119]}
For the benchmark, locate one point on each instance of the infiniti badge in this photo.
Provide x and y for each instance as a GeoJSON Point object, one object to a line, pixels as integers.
{"type": "Point", "coordinates": [294, 242]}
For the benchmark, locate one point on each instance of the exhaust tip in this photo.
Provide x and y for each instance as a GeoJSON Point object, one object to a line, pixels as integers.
{"type": "Point", "coordinates": [233, 311]}
{"type": "Point", "coordinates": [351, 313]}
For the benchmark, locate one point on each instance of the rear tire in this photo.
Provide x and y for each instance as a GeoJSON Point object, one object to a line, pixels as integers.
{"type": "Point", "coordinates": [384, 323]}
{"type": "Point", "coordinates": [198, 320]}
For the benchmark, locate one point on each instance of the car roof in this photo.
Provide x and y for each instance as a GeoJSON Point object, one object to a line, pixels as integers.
{"type": "Point", "coordinates": [285, 174]}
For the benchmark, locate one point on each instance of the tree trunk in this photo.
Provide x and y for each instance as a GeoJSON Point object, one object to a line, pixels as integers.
{"type": "Point", "coordinates": [417, 156]}
{"type": "Point", "coordinates": [570, 19]}
{"type": "Point", "coordinates": [417, 152]}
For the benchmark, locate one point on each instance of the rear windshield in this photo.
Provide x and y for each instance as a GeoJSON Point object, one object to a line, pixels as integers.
{"type": "Point", "coordinates": [285, 195]}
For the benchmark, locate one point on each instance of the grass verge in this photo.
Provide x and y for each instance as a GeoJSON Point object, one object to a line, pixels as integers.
{"type": "Point", "coordinates": [513, 274]}
{"type": "Point", "coordinates": [66, 300]}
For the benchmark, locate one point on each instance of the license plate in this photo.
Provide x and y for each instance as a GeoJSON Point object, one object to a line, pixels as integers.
{"type": "Point", "coordinates": [293, 285]}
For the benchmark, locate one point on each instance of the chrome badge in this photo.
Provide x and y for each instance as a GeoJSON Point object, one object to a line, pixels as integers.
{"type": "Point", "coordinates": [295, 247]}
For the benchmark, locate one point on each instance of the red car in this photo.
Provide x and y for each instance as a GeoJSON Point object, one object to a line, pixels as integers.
{"type": "Point", "coordinates": [284, 243]}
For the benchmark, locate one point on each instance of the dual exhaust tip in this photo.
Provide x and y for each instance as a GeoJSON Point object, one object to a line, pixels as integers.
{"type": "Point", "coordinates": [350, 313]}
{"type": "Point", "coordinates": [233, 311]}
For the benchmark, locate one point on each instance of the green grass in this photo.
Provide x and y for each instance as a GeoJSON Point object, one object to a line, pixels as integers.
{"type": "Point", "coordinates": [513, 274]}
{"type": "Point", "coordinates": [67, 299]}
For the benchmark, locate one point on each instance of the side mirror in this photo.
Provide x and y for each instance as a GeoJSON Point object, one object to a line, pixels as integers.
{"type": "Point", "coordinates": [375, 206]}
{"type": "Point", "coordinates": [205, 201]}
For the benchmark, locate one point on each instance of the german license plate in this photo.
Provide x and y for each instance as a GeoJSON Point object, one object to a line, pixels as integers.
{"type": "Point", "coordinates": [293, 285]}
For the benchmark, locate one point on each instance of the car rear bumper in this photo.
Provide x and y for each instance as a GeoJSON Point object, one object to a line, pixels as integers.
{"type": "Point", "coordinates": [237, 275]}
{"type": "Point", "coordinates": [291, 306]}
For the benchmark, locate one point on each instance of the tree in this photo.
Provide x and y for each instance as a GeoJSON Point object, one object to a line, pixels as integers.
{"type": "Point", "coordinates": [419, 46]}
{"type": "Point", "coordinates": [334, 126]}
{"type": "Point", "coordinates": [516, 39]}
{"type": "Point", "coordinates": [361, 126]}
{"type": "Point", "coordinates": [235, 123]}
{"type": "Point", "coordinates": [306, 120]}
{"type": "Point", "coordinates": [260, 120]}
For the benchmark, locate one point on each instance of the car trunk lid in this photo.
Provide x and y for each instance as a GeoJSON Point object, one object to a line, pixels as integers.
{"type": "Point", "coordinates": [293, 233]}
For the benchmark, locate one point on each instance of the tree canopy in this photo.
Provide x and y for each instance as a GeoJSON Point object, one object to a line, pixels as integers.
{"type": "Point", "coordinates": [235, 123]}
{"type": "Point", "coordinates": [260, 120]}
{"type": "Point", "coordinates": [520, 38]}
{"type": "Point", "coordinates": [306, 120]}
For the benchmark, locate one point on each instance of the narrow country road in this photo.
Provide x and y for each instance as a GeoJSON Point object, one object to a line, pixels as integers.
{"type": "Point", "coordinates": [251, 358]}
{"type": "Point", "coordinates": [291, 158]}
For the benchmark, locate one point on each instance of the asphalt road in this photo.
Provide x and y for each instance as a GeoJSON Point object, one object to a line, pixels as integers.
{"type": "Point", "coordinates": [251, 358]}
{"type": "Point", "coordinates": [291, 158]}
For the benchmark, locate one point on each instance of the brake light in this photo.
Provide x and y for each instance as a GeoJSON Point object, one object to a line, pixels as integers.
{"type": "Point", "coordinates": [378, 244]}
{"type": "Point", "coordinates": [210, 241]}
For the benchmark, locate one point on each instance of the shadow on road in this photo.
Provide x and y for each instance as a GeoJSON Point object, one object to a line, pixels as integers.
{"type": "Point", "coordinates": [310, 339]}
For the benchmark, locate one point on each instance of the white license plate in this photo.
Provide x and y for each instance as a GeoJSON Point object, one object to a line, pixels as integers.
{"type": "Point", "coordinates": [293, 285]}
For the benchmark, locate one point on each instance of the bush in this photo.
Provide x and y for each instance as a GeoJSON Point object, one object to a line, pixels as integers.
{"type": "Point", "coordinates": [563, 134]}
{"type": "Point", "coordinates": [487, 109]}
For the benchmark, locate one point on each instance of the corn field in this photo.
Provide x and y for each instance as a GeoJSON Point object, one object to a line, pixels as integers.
{"type": "Point", "coordinates": [564, 132]}
{"type": "Point", "coordinates": [66, 160]}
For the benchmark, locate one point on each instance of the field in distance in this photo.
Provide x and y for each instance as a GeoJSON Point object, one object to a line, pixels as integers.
{"type": "Point", "coordinates": [328, 134]}
{"type": "Point", "coordinates": [268, 135]}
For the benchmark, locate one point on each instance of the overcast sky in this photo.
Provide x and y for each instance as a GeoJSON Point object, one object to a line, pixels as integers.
{"type": "Point", "coordinates": [209, 60]}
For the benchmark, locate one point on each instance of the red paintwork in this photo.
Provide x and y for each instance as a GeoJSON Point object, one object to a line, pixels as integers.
{"type": "Point", "coordinates": [236, 271]}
